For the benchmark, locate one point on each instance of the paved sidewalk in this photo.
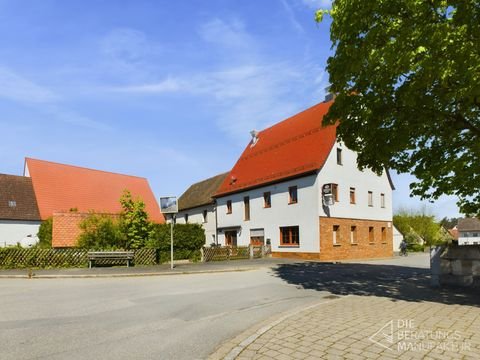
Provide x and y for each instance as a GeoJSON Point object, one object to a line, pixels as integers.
{"type": "Point", "coordinates": [164, 269]}
{"type": "Point", "coordinates": [363, 327]}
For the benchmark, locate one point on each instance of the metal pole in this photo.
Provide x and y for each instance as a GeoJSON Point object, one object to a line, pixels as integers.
{"type": "Point", "coordinates": [171, 242]}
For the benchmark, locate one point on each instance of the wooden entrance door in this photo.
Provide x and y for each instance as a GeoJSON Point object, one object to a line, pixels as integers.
{"type": "Point", "coordinates": [231, 238]}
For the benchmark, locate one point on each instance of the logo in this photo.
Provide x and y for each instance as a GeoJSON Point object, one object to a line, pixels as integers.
{"type": "Point", "coordinates": [402, 335]}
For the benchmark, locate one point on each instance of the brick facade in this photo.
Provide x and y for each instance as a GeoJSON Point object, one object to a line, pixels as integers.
{"type": "Point", "coordinates": [365, 244]}
{"type": "Point", "coordinates": [66, 230]}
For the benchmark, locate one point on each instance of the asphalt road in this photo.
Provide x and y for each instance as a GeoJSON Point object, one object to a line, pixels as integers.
{"type": "Point", "coordinates": [166, 317]}
{"type": "Point", "coordinates": [169, 317]}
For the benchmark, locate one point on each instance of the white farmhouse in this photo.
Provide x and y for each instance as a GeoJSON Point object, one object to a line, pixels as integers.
{"type": "Point", "coordinates": [300, 190]}
{"type": "Point", "coordinates": [19, 215]}
{"type": "Point", "coordinates": [197, 206]}
{"type": "Point", "coordinates": [468, 231]}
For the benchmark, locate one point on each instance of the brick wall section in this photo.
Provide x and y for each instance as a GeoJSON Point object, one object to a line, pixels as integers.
{"type": "Point", "coordinates": [66, 230]}
{"type": "Point", "coordinates": [344, 250]}
{"type": "Point", "coordinates": [362, 248]}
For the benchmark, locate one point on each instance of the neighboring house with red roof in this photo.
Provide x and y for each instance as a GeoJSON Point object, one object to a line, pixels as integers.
{"type": "Point", "coordinates": [67, 193]}
{"type": "Point", "coordinates": [298, 188]}
{"type": "Point", "coordinates": [197, 205]}
{"type": "Point", "coordinates": [19, 215]}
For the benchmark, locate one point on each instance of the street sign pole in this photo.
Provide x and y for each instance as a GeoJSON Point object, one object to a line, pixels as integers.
{"type": "Point", "coordinates": [169, 205]}
{"type": "Point", "coordinates": [171, 241]}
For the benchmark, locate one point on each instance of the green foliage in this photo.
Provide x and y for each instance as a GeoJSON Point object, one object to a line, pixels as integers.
{"type": "Point", "coordinates": [188, 239]}
{"type": "Point", "coordinates": [45, 234]}
{"type": "Point", "coordinates": [417, 227]}
{"type": "Point", "coordinates": [415, 247]}
{"type": "Point", "coordinates": [101, 232]}
{"type": "Point", "coordinates": [407, 79]}
{"type": "Point", "coordinates": [134, 221]}
{"type": "Point", "coordinates": [448, 223]}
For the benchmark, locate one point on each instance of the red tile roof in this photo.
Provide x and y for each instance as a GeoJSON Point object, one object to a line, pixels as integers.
{"type": "Point", "coordinates": [293, 147]}
{"type": "Point", "coordinates": [60, 187]}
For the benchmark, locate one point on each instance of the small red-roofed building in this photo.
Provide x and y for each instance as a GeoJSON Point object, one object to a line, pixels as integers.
{"type": "Point", "coordinates": [68, 193]}
{"type": "Point", "coordinates": [299, 189]}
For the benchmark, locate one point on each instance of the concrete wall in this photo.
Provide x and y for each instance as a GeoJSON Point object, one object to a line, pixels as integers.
{"type": "Point", "coordinates": [280, 214]}
{"type": "Point", "coordinates": [195, 216]}
{"type": "Point", "coordinates": [17, 231]}
{"type": "Point", "coordinates": [460, 266]}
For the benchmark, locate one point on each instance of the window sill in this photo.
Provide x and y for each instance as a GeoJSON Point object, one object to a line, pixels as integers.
{"type": "Point", "coordinates": [384, 243]}
{"type": "Point", "coordinates": [354, 244]}
{"type": "Point", "coordinates": [371, 243]}
{"type": "Point", "coordinates": [293, 203]}
{"type": "Point", "coordinates": [267, 207]}
{"type": "Point", "coordinates": [336, 245]}
{"type": "Point", "coordinates": [288, 246]}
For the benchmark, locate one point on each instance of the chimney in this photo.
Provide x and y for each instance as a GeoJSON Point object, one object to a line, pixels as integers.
{"type": "Point", "coordinates": [254, 134]}
{"type": "Point", "coordinates": [328, 95]}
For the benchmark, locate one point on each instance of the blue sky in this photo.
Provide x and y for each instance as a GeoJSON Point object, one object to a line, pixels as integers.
{"type": "Point", "coordinates": [168, 90]}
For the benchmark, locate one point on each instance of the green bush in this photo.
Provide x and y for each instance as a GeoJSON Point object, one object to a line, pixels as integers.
{"type": "Point", "coordinates": [415, 247]}
{"type": "Point", "coordinates": [101, 232]}
{"type": "Point", "coordinates": [45, 234]}
{"type": "Point", "coordinates": [188, 239]}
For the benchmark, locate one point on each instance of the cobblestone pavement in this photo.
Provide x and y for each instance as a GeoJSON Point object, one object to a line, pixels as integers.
{"type": "Point", "coordinates": [364, 327]}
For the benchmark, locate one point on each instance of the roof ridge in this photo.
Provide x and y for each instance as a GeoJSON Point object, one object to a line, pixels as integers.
{"type": "Point", "coordinates": [85, 168]}
{"type": "Point", "coordinates": [283, 142]}
{"type": "Point", "coordinates": [296, 114]}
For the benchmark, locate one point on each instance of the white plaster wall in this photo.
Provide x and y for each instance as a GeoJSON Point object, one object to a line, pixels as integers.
{"type": "Point", "coordinates": [16, 231]}
{"type": "Point", "coordinates": [195, 216]}
{"type": "Point", "coordinates": [348, 175]}
{"type": "Point", "coordinates": [397, 239]}
{"type": "Point", "coordinates": [470, 240]}
{"type": "Point", "coordinates": [303, 214]}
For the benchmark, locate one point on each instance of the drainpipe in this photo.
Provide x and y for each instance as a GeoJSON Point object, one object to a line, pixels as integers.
{"type": "Point", "coordinates": [216, 221]}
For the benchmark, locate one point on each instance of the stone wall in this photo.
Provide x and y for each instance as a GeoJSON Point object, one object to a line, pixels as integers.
{"type": "Point", "coordinates": [460, 265]}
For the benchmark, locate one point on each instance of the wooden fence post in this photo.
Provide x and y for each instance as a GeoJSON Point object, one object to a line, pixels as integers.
{"type": "Point", "coordinates": [251, 251]}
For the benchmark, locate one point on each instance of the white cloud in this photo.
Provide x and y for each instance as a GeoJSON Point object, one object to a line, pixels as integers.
{"type": "Point", "coordinates": [251, 91]}
{"type": "Point", "coordinates": [318, 4]}
{"type": "Point", "coordinates": [18, 88]}
{"type": "Point", "coordinates": [15, 87]}
{"type": "Point", "coordinates": [292, 18]}
{"type": "Point", "coordinates": [226, 35]}
{"type": "Point", "coordinates": [168, 85]}
{"type": "Point", "coordinates": [125, 44]}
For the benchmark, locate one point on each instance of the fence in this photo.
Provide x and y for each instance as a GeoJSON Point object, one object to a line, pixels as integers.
{"type": "Point", "coordinates": [44, 258]}
{"type": "Point", "coordinates": [221, 253]}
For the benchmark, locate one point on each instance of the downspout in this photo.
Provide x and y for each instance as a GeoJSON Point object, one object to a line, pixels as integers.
{"type": "Point", "coordinates": [216, 221]}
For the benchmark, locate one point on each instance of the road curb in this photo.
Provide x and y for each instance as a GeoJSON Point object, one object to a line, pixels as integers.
{"type": "Point", "coordinates": [87, 276]}
{"type": "Point", "coordinates": [250, 335]}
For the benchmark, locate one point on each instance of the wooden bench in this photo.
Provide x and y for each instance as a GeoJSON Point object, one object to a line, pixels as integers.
{"type": "Point", "coordinates": [109, 255]}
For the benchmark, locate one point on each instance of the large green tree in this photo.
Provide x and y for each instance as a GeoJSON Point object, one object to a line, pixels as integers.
{"type": "Point", "coordinates": [134, 221]}
{"type": "Point", "coordinates": [406, 74]}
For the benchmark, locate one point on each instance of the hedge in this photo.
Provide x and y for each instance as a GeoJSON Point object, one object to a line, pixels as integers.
{"type": "Point", "coordinates": [188, 239]}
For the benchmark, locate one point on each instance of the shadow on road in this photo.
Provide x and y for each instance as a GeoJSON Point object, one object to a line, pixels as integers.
{"type": "Point", "coordinates": [395, 282]}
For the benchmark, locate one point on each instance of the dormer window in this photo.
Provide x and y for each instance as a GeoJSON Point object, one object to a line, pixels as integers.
{"type": "Point", "coordinates": [12, 203]}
